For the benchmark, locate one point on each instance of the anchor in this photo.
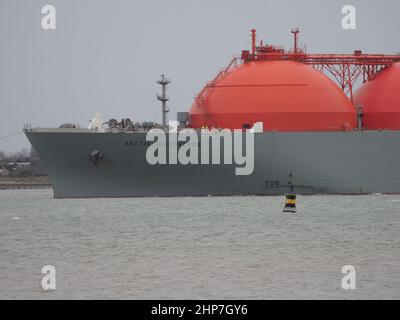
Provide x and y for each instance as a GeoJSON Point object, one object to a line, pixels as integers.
{"type": "Point", "coordinates": [96, 156]}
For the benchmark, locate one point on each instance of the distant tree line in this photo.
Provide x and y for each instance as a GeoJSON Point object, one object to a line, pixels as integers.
{"type": "Point", "coordinates": [24, 163]}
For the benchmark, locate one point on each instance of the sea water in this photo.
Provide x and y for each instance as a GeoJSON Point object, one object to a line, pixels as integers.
{"type": "Point", "coordinates": [198, 248]}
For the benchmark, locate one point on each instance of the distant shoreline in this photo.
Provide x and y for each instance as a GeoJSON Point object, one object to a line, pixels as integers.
{"type": "Point", "coordinates": [7, 183]}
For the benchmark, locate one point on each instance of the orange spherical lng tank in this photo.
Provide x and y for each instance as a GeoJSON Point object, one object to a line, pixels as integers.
{"type": "Point", "coordinates": [380, 98]}
{"type": "Point", "coordinates": [284, 95]}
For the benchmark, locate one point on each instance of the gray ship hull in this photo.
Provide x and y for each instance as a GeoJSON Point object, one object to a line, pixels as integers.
{"type": "Point", "coordinates": [321, 163]}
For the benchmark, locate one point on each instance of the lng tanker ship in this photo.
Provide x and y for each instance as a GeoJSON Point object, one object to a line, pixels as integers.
{"type": "Point", "coordinates": [272, 119]}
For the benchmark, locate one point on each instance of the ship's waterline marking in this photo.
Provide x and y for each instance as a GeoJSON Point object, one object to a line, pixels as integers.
{"type": "Point", "coordinates": [190, 147]}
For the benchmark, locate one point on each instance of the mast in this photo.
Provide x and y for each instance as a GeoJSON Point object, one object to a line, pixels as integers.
{"type": "Point", "coordinates": [296, 32]}
{"type": "Point", "coordinates": [253, 41]}
{"type": "Point", "coordinates": [163, 98]}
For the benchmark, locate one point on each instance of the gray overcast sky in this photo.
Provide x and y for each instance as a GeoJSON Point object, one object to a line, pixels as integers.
{"type": "Point", "coordinates": [106, 55]}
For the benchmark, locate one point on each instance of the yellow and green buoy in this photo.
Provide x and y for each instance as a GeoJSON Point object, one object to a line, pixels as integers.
{"type": "Point", "coordinates": [290, 205]}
